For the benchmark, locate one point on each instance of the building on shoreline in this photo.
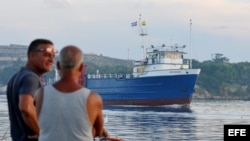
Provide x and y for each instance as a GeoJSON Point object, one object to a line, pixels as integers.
{"type": "Point", "coordinates": [13, 52]}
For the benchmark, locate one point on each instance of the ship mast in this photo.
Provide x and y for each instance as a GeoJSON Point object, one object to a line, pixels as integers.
{"type": "Point", "coordinates": [190, 44]}
{"type": "Point", "coordinates": [142, 34]}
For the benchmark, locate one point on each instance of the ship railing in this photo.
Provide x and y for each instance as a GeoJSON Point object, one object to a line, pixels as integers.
{"type": "Point", "coordinates": [186, 61]}
{"type": "Point", "coordinates": [117, 76]}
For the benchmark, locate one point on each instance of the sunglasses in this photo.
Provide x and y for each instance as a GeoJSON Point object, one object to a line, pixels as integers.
{"type": "Point", "coordinates": [48, 50]}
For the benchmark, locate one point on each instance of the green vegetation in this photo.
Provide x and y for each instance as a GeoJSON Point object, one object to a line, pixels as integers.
{"type": "Point", "coordinates": [8, 69]}
{"type": "Point", "coordinates": [220, 78]}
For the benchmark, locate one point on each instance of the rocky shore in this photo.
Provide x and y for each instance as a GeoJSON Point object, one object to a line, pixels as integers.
{"type": "Point", "coordinates": [220, 97]}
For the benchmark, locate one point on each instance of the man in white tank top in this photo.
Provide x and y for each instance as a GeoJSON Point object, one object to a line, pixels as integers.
{"type": "Point", "coordinates": [66, 110]}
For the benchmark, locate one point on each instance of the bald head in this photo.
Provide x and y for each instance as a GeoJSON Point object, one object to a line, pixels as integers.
{"type": "Point", "coordinates": [71, 57]}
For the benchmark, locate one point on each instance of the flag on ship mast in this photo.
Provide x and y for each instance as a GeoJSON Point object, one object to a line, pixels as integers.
{"type": "Point", "coordinates": [134, 23]}
{"type": "Point", "coordinates": [139, 23]}
{"type": "Point", "coordinates": [143, 23]}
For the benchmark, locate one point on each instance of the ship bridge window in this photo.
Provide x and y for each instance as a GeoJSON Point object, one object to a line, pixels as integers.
{"type": "Point", "coordinates": [162, 55]}
{"type": "Point", "coordinates": [174, 55]}
{"type": "Point", "coordinates": [153, 58]}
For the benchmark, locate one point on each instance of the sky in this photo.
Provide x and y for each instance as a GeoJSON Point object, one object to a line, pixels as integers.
{"type": "Point", "coordinates": [103, 27]}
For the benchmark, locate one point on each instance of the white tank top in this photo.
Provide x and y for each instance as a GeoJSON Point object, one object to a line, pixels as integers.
{"type": "Point", "coordinates": [63, 117]}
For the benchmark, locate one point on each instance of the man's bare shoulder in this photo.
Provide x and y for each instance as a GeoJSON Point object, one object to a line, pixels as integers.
{"type": "Point", "coordinates": [95, 95]}
{"type": "Point", "coordinates": [94, 98]}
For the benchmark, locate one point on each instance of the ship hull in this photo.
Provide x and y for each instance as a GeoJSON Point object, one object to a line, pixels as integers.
{"type": "Point", "coordinates": [152, 91]}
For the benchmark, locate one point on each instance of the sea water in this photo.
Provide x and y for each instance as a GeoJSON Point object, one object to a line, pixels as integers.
{"type": "Point", "coordinates": [202, 120]}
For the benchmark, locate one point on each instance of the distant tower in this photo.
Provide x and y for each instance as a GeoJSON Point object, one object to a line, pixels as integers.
{"type": "Point", "coordinates": [190, 44]}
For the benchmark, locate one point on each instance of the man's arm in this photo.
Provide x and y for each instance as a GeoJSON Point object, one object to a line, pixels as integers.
{"type": "Point", "coordinates": [94, 108]}
{"type": "Point", "coordinates": [28, 111]}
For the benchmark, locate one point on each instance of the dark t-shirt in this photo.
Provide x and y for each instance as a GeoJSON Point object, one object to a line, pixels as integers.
{"type": "Point", "coordinates": [23, 82]}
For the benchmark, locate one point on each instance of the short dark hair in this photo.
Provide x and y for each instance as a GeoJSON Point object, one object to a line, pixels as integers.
{"type": "Point", "coordinates": [35, 43]}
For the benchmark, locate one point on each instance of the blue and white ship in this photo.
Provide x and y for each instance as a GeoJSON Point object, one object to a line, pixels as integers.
{"type": "Point", "coordinates": [162, 78]}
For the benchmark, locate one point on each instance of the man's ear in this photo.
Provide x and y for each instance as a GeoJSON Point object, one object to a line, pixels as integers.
{"type": "Point", "coordinates": [31, 54]}
{"type": "Point", "coordinates": [81, 67]}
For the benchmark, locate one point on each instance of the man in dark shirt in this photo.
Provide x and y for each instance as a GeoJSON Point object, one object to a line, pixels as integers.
{"type": "Point", "coordinates": [22, 87]}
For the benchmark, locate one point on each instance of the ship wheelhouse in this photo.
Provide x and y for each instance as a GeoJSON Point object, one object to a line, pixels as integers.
{"type": "Point", "coordinates": [165, 55]}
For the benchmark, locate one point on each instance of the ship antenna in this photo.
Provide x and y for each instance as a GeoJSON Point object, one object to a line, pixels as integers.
{"type": "Point", "coordinates": [190, 44]}
{"type": "Point", "coordinates": [142, 34]}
